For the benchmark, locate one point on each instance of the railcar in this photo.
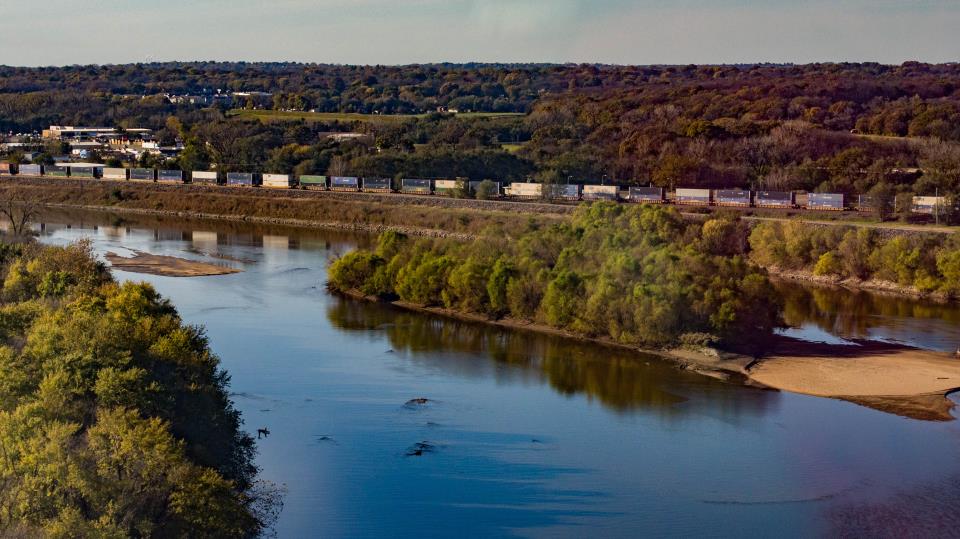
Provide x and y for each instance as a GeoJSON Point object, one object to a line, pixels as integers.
{"type": "Point", "coordinates": [377, 185]}
{"type": "Point", "coordinates": [601, 192]}
{"type": "Point", "coordinates": [693, 197]}
{"type": "Point", "coordinates": [169, 176]}
{"type": "Point", "coordinates": [344, 183]}
{"type": "Point", "coordinates": [278, 181]}
{"type": "Point", "coordinates": [825, 201]}
{"type": "Point", "coordinates": [310, 181]}
{"type": "Point", "coordinates": [416, 186]}
{"type": "Point", "coordinates": [646, 195]}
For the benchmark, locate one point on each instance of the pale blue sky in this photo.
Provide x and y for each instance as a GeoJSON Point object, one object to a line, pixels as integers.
{"type": "Point", "coordinates": [57, 32]}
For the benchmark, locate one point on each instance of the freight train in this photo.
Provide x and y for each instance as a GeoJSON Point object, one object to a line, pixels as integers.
{"type": "Point", "coordinates": [733, 198]}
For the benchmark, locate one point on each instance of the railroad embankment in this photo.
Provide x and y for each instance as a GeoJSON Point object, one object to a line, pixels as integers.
{"type": "Point", "coordinates": [433, 216]}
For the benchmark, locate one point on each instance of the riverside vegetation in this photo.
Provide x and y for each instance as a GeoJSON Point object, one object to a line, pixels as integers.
{"type": "Point", "coordinates": [638, 275]}
{"type": "Point", "coordinates": [928, 264]}
{"type": "Point", "coordinates": [641, 275]}
{"type": "Point", "coordinates": [115, 420]}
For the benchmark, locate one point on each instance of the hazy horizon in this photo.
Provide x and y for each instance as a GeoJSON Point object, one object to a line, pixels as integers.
{"type": "Point", "coordinates": [380, 32]}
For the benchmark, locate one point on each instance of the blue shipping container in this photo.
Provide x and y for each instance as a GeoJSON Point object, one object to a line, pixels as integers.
{"type": "Point", "coordinates": [825, 201]}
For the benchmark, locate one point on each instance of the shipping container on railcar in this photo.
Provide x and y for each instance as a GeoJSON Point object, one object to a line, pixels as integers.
{"type": "Point", "coordinates": [30, 170]}
{"type": "Point", "coordinates": [241, 179]}
{"type": "Point", "coordinates": [278, 181]}
{"type": "Point", "coordinates": [775, 199]}
{"type": "Point", "coordinates": [474, 185]}
{"type": "Point", "coordinates": [143, 174]}
{"type": "Point", "coordinates": [377, 185]}
{"type": "Point", "coordinates": [567, 191]}
{"type": "Point", "coordinates": [344, 183]}
{"type": "Point", "coordinates": [7, 168]}
{"type": "Point", "coordinates": [737, 198]}
{"type": "Point", "coordinates": [692, 197]}
{"type": "Point", "coordinates": [866, 203]}
{"type": "Point", "coordinates": [170, 176]}
{"type": "Point", "coordinates": [450, 187]}
{"type": "Point", "coordinates": [56, 172]}
{"type": "Point", "coordinates": [115, 174]}
{"type": "Point", "coordinates": [524, 190]}
{"type": "Point", "coordinates": [84, 173]}
{"type": "Point", "coordinates": [601, 192]}
{"type": "Point", "coordinates": [206, 177]}
{"type": "Point", "coordinates": [647, 195]}
{"type": "Point", "coordinates": [310, 181]}
{"type": "Point", "coordinates": [929, 205]}
{"type": "Point", "coordinates": [825, 201]}
{"type": "Point", "coordinates": [417, 186]}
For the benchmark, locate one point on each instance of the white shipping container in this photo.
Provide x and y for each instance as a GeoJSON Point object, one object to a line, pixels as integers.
{"type": "Point", "coordinates": [448, 185]}
{"type": "Point", "coordinates": [696, 197]}
{"type": "Point", "coordinates": [604, 192]}
{"type": "Point", "coordinates": [929, 205]}
{"type": "Point", "coordinates": [693, 193]}
{"type": "Point", "coordinates": [115, 174]}
{"type": "Point", "coordinates": [204, 176]}
{"type": "Point", "coordinates": [929, 201]}
{"type": "Point", "coordinates": [276, 180]}
{"type": "Point", "coordinates": [525, 189]}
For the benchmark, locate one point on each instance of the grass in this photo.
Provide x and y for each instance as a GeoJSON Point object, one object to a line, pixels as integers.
{"type": "Point", "coordinates": [281, 115]}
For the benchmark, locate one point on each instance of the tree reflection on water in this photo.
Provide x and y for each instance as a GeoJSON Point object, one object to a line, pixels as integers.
{"type": "Point", "coordinates": [863, 315]}
{"type": "Point", "coordinates": [621, 380]}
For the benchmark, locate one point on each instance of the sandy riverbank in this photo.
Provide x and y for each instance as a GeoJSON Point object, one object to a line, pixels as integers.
{"type": "Point", "coordinates": [169, 266]}
{"type": "Point", "coordinates": [889, 377]}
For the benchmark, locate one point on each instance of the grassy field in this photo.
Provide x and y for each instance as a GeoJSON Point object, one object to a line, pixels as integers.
{"type": "Point", "coordinates": [280, 115]}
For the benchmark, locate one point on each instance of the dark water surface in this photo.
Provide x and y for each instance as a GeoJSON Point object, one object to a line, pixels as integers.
{"type": "Point", "coordinates": [529, 435]}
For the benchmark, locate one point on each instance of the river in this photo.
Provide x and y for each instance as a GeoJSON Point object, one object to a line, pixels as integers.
{"type": "Point", "coordinates": [530, 435]}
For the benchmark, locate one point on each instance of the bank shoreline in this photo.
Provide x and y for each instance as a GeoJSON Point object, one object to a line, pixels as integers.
{"type": "Point", "coordinates": [874, 286]}
{"type": "Point", "coordinates": [709, 362]}
{"type": "Point", "coordinates": [374, 228]}
{"type": "Point", "coordinates": [787, 368]}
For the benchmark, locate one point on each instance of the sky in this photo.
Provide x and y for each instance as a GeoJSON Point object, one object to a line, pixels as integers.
{"type": "Point", "coordinates": [61, 32]}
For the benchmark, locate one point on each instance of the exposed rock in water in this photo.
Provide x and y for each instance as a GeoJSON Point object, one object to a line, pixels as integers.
{"type": "Point", "coordinates": [419, 401]}
{"type": "Point", "coordinates": [421, 448]}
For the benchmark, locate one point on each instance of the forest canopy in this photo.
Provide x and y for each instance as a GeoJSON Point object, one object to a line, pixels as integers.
{"type": "Point", "coordinates": [115, 419]}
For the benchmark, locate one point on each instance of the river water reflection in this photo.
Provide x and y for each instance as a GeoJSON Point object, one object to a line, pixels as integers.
{"type": "Point", "coordinates": [530, 435]}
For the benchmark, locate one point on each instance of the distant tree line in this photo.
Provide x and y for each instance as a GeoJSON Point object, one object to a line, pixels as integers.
{"type": "Point", "coordinates": [849, 128]}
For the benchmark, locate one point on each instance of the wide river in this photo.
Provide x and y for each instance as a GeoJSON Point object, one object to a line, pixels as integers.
{"type": "Point", "coordinates": [529, 435]}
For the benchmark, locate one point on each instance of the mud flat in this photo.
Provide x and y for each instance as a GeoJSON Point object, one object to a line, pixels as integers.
{"type": "Point", "coordinates": [169, 266]}
{"type": "Point", "coordinates": [889, 377]}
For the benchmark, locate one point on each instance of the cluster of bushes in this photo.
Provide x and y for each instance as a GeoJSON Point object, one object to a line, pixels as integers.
{"type": "Point", "coordinates": [638, 275]}
{"type": "Point", "coordinates": [115, 419]}
{"type": "Point", "coordinates": [929, 263]}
